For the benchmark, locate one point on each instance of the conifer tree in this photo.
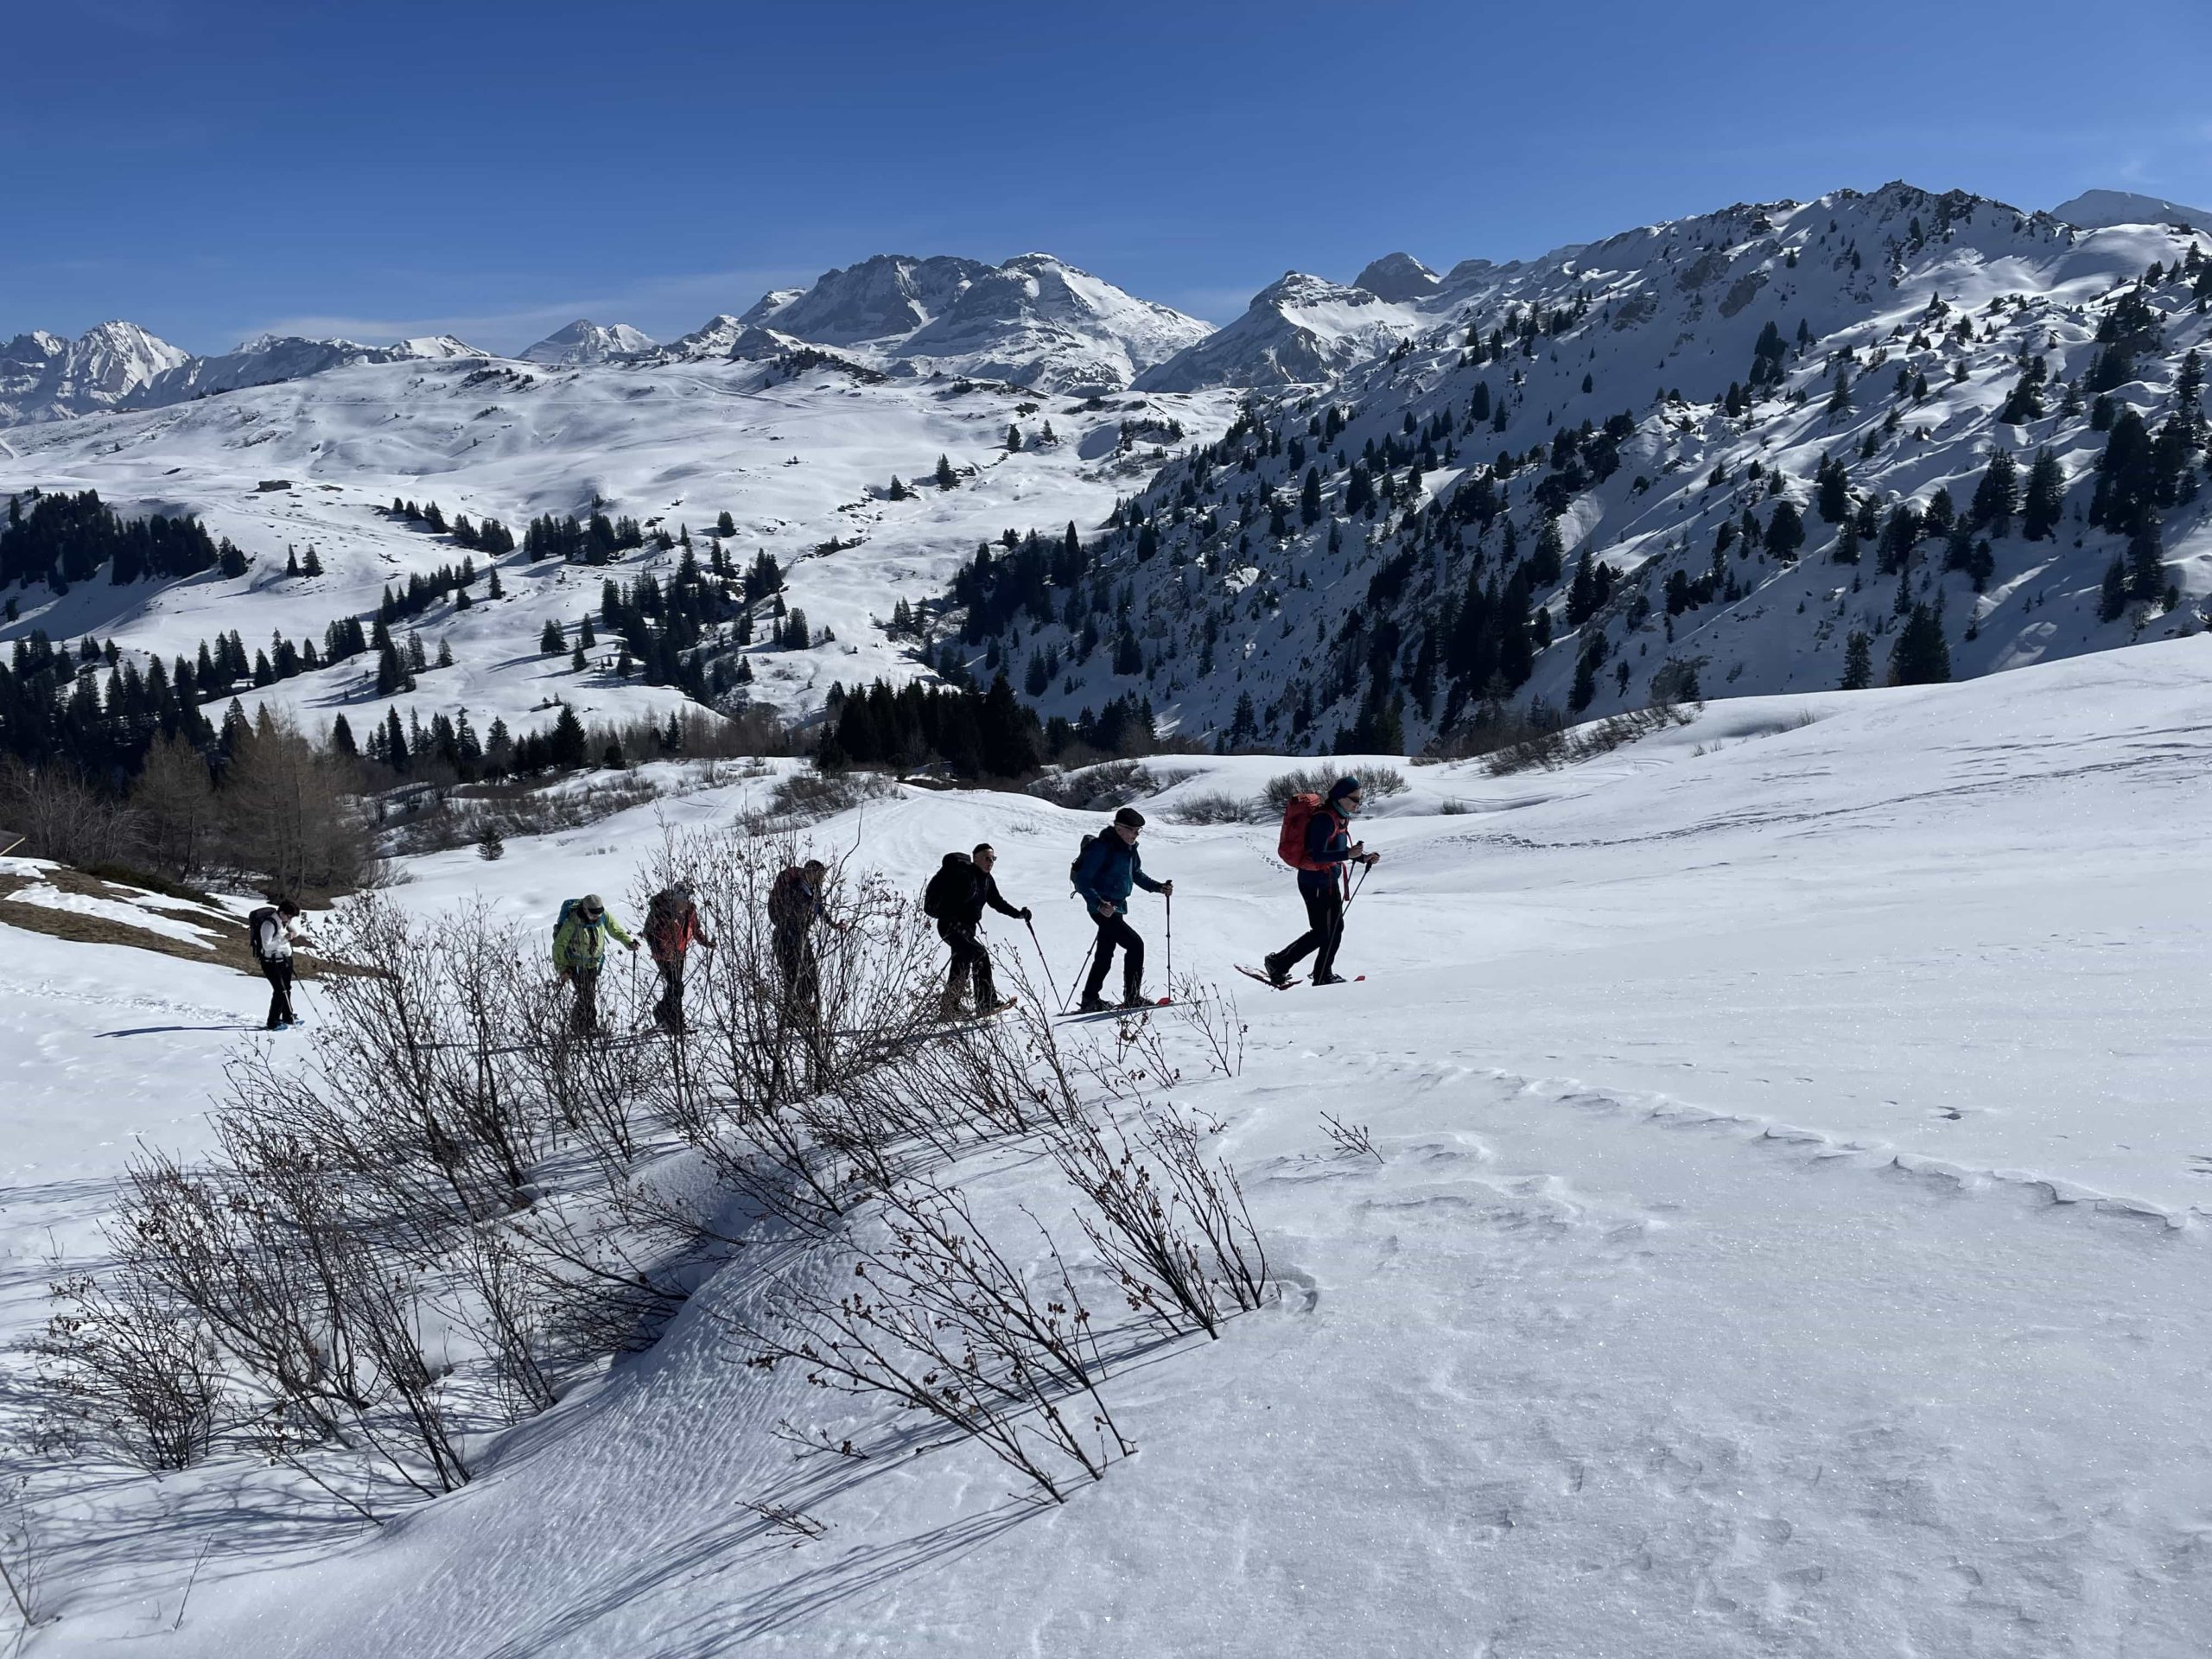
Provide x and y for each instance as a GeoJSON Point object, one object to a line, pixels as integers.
{"type": "Point", "coordinates": [2112, 600]}
{"type": "Point", "coordinates": [1920, 656]}
{"type": "Point", "coordinates": [1858, 662]}
{"type": "Point", "coordinates": [946, 478]}
{"type": "Point", "coordinates": [2046, 497]}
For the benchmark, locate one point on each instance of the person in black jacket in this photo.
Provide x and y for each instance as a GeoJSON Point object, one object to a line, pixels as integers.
{"type": "Point", "coordinates": [961, 887]}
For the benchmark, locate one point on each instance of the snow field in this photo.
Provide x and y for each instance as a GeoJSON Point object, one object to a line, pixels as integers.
{"type": "Point", "coordinates": [1677, 1313]}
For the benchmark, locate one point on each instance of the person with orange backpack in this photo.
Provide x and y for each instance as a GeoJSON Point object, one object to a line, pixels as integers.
{"type": "Point", "coordinates": [1317, 843]}
{"type": "Point", "coordinates": [671, 929]}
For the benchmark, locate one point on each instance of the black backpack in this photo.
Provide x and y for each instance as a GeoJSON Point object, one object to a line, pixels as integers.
{"type": "Point", "coordinates": [253, 921]}
{"type": "Point", "coordinates": [944, 892]}
{"type": "Point", "coordinates": [1075, 865]}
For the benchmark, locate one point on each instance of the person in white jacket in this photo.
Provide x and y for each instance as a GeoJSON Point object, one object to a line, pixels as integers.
{"type": "Point", "coordinates": [269, 931]}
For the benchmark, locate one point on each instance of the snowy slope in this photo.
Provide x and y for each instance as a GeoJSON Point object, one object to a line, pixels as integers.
{"type": "Point", "coordinates": [1298, 329]}
{"type": "Point", "coordinates": [801, 460]}
{"type": "Point", "coordinates": [45, 378]}
{"type": "Point", "coordinates": [1032, 321]}
{"type": "Point", "coordinates": [2097, 209]}
{"type": "Point", "coordinates": [585, 341]}
{"type": "Point", "coordinates": [1784, 1233]}
{"type": "Point", "coordinates": [1940, 303]}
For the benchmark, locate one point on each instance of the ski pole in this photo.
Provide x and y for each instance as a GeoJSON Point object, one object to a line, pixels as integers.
{"type": "Point", "coordinates": [1170, 897]}
{"type": "Point", "coordinates": [1042, 958]}
{"type": "Point", "coordinates": [1079, 968]}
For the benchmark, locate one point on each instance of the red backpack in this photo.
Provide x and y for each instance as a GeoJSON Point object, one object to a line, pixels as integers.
{"type": "Point", "coordinates": [1298, 813]}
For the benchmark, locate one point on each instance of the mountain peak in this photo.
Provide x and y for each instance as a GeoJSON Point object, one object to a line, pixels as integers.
{"type": "Point", "coordinates": [2096, 210]}
{"type": "Point", "coordinates": [1398, 276]}
{"type": "Point", "coordinates": [585, 341]}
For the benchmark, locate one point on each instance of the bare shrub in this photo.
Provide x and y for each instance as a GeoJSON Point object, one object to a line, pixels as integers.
{"type": "Point", "coordinates": [943, 1323]}
{"type": "Point", "coordinates": [22, 1562]}
{"type": "Point", "coordinates": [800, 798]}
{"type": "Point", "coordinates": [127, 1365]}
{"type": "Point", "coordinates": [1376, 782]}
{"type": "Point", "coordinates": [1553, 749]}
{"type": "Point", "coordinates": [1217, 807]}
{"type": "Point", "coordinates": [1091, 789]}
{"type": "Point", "coordinates": [1350, 1138]}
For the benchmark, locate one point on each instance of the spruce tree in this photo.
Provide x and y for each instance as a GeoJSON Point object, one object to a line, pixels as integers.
{"type": "Point", "coordinates": [491, 845]}
{"type": "Point", "coordinates": [1920, 656]}
{"type": "Point", "coordinates": [2046, 497]}
{"type": "Point", "coordinates": [946, 478]}
{"type": "Point", "coordinates": [1785, 532]}
{"type": "Point", "coordinates": [1858, 662]}
{"type": "Point", "coordinates": [2112, 600]}
{"type": "Point", "coordinates": [551, 642]}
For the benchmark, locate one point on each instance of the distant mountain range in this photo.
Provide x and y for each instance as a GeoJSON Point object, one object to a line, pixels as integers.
{"type": "Point", "coordinates": [1404, 452]}
{"type": "Point", "coordinates": [1033, 320]}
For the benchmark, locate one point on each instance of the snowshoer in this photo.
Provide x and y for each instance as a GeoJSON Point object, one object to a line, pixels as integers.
{"type": "Point", "coordinates": [1317, 841]}
{"type": "Point", "coordinates": [671, 929]}
{"type": "Point", "coordinates": [1103, 872]}
{"type": "Point", "coordinates": [269, 930]}
{"type": "Point", "coordinates": [794, 906]}
{"type": "Point", "coordinates": [956, 897]}
{"type": "Point", "coordinates": [580, 951]}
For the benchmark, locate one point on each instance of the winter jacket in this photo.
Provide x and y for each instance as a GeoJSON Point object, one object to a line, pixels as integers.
{"type": "Point", "coordinates": [981, 889]}
{"type": "Point", "coordinates": [581, 946]}
{"type": "Point", "coordinates": [272, 940]}
{"type": "Point", "coordinates": [669, 933]}
{"type": "Point", "coordinates": [1103, 875]}
{"type": "Point", "coordinates": [1328, 841]}
{"type": "Point", "coordinates": [794, 903]}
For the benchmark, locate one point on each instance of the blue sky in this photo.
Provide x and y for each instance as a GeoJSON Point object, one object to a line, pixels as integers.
{"type": "Point", "coordinates": [215, 168]}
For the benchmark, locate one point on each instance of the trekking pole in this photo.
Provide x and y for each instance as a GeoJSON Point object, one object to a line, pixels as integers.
{"type": "Point", "coordinates": [1358, 884]}
{"type": "Point", "coordinates": [1042, 958]}
{"type": "Point", "coordinates": [1170, 898]}
{"type": "Point", "coordinates": [1078, 979]}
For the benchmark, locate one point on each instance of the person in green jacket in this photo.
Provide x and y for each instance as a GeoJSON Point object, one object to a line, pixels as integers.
{"type": "Point", "coordinates": [580, 951]}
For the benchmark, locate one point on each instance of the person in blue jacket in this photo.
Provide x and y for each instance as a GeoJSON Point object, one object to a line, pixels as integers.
{"type": "Point", "coordinates": [1329, 845]}
{"type": "Point", "coordinates": [1104, 874]}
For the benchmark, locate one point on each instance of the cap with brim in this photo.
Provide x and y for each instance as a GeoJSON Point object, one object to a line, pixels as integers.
{"type": "Point", "coordinates": [1131, 817]}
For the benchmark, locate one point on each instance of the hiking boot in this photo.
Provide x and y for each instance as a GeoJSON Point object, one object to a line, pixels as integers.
{"type": "Point", "coordinates": [1277, 975]}
{"type": "Point", "coordinates": [1328, 979]}
{"type": "Point", "coordinates": [1136, 999]}
{"type": "Point", "coordinates": [1091, 1003]}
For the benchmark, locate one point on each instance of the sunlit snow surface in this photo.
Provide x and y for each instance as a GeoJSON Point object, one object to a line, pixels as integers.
{"type": "Point", "coordinates": [1785, 1239]}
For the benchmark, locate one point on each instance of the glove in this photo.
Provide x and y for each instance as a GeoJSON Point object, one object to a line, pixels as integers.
{"type": "Point", "coordinates": [1024, 912]}
{"type": "Point", "coordinates": [1167, 889]}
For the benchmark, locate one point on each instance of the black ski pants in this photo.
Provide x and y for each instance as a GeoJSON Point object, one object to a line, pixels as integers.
{"type": "Point", "coordinates": [584, 1017]}
{"type": "Point", "coordinates": [801, 973]}
{"type": "Point", "coordinates": [969, 959]}
{"type": "Point", "coordinates": [1325, 928]}
{"type": "Point", "coordinates": [1114, 930]}
{"type": "Point", "coordinates": [668, 1013]}
{"type": "Point", "coordinates": [279, 975]}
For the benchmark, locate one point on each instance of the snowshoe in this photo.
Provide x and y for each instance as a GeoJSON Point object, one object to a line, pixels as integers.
{"type": "Point", "coordinates": [1329, 979]}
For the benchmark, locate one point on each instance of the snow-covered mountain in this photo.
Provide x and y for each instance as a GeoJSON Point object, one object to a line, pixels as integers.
{"type": "Point", "coordinates": [2101, 209]}
{"type": "Point", "coordinates": [120, 365]}
{"type": "Point", "coordinates": [1397, 277]}
{"type": "Point", "coordinates": [44, 377]}
{"type": "Point", "coordinates": [585, 341]}
{"type": "Point", "coordinates": [1366, 548]}
{"type": "Point", "coordinates": [1298, 330]}
{"type": "Point", "coordinates": [798, 444]}
{"type": "Point", "coordinates": [1033, 320]}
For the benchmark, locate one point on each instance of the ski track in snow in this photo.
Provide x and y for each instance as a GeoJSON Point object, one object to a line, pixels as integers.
{"type": "Point", "coordinates": [1783, 1240]}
